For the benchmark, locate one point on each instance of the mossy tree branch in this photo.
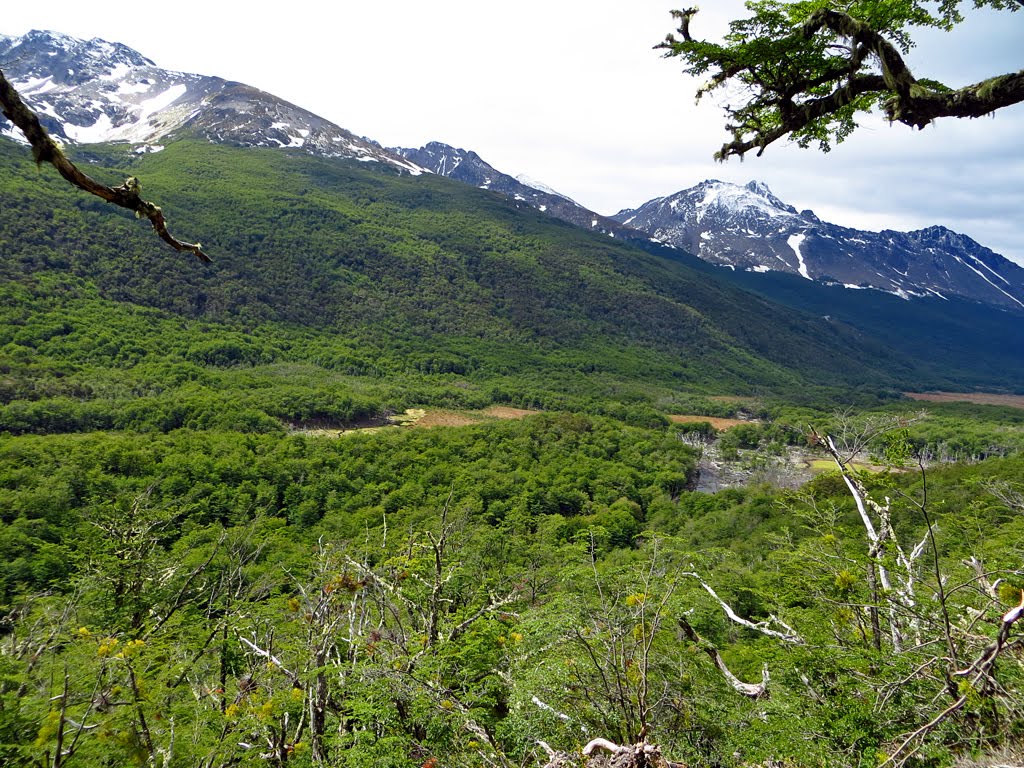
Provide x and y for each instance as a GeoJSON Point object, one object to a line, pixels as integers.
{"type": "Point", "coordinates": [806, 74]}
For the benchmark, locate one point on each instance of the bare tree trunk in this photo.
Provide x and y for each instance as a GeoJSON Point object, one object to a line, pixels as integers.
{"type": "Point", "coordinates": [876, 625]}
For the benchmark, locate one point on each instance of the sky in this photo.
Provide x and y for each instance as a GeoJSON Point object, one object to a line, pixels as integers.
{"type": "Point", "coordinates": [573, 94]}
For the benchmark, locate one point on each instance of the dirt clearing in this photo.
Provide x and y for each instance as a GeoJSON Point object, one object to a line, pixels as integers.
{"type": "Point", "coordinates": [440, 418]}
{"type": "Point", "coordinates": [505, 412]}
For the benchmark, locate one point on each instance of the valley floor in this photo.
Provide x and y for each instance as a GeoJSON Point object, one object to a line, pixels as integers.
{"type": "Point", "coordinates": [981, 398]}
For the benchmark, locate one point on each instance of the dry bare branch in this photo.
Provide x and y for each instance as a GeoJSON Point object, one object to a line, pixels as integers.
{"type": "Point", "coordinates": [596, 744]}
{"type": "Point", "coordinates": [977, 675]}
{"type": "Point", "coordinates": [787, 634]}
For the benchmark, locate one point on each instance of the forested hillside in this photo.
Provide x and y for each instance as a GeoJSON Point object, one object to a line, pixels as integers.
{"type": "Point", "coordinates": [215, 552]}
{"type": "Point", "coordinates": [411, 273]}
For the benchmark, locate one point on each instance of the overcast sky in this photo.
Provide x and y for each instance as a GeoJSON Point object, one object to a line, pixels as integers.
{"type": "Point", "coordinates": [572, 94]}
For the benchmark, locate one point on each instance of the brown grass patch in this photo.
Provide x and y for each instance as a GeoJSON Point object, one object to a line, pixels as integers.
{"type": "Point", "coordinates": [504, 412]}
{"type": "Point", "coordinates": [982, 398]}
{"type": "Point", "coordinates": [720, 424]}
{"type": "Point", "coordinates": [438, 418]}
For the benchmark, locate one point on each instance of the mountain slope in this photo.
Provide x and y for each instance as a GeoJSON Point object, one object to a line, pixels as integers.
{"type": "Point", "coordinates": [469, 168]}
{"type": "Point", "coordinates": [414, 273]}
{"type": "Point", "coordinates": [749, 228]}
{"type": "Point", "coordinates": [89, 91]}
{"type": "Point", "coordinates": [95, 91]}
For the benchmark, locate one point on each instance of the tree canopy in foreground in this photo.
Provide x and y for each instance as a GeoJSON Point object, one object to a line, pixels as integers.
{"type": "Point", "coordinates": [805, 69]}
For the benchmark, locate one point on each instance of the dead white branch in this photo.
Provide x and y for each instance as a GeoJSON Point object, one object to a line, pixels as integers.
{"type": "Point", "coordinates": [596, 744]}
{"type": "Point", "coordinates": [266, 655]}
{"type": "Point", "coordinates": [552, 754]}
{"type": "Point", "coordinates": [548, 708]}
{"type": "Point", "coordinates": [981, 666]}
{"type": "Point", "coordinates": [787, 634]}
{"type": "Point", "coordinates": [639, 755]}
{"type": "Point", "coordinates": [981, 576]}
{"type": "Point", "coordinates": [881, 539]}
{"type": "Point", "coordinates": [1008, 494]}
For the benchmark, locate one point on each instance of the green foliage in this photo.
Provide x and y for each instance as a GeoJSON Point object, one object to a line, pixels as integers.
{"type": "Point", "coordinates": [191, 573]}
{"type": "Point", "coordinates": [559, 467]}
{"type": "Point", "coordinates": [807, 68]}
{"type": "Point", "coordinates": [417, 582]}
{"type": "Point", "coordinates": [369, 275]}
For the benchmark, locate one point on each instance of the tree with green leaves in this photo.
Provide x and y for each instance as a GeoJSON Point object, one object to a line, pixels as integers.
{"type": "Point", "coordinates": [806, 68]}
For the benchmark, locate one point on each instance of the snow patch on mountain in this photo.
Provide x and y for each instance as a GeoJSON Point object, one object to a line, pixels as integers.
{"type": "Point", "coordinates": [522, 178]}
{"type": "Point", "coordinates": [980, 274]}
{"type": "Point", "coordinates": [88, 91]}
{"type": "Point", "coordinates": [794, 242]}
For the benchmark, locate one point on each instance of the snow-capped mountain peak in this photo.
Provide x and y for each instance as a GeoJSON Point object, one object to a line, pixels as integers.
{"type": "Point", "coordinates": [760, 188]}
{"type": "Point", "coordinates": [522, 178]}
{"type": "Point", "coordinates": [91, 91]}
{"type": "Point", "coordinates": [84, 58]}
{"type": "Point", "coordinates": [749, 228]}
{"type": "Point", "coordinates": [731, 199]}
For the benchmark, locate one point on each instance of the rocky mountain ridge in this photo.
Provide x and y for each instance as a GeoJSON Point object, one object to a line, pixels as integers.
{"type": "Point", "coordinates": [94, 91]}
{"type": "Point", "coordinates": [749, 228]}
{"type": "Point", "coordinates": [468, 167]}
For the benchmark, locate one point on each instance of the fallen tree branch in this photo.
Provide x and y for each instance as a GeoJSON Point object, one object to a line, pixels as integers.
{"type": "Point", "coordinates": [639, 755]}
{"type": "Point", "coordinates": [45, 149]}
{"type": "Point", "coordinates": [596, 744]}
{"type": "Point", "coordinates": [556, 758]}
{"type": "Point", "coordinates": [788, 634]}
